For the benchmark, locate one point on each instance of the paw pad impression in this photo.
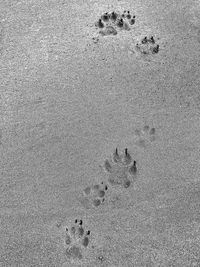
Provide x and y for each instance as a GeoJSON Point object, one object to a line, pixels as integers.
{"type": "Point", "coordinates": [121, 169]}
{"type": "Point", "coordinates": [110, 23]}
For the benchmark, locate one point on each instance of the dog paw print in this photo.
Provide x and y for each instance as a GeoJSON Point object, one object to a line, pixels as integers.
{"type": "Point", "coordinates": [128, 17]}
{"type": "Point", "coordinates": [121, 170]}
{"type": "Point", "coordinates": [96, 193]}
{"type": "Point", "coordinates": [110, 23]}
{"type": "Point", "coordinates": [76, 241]}
{"type": "Point", "coordinates": [147, 46]}
{"type": "Point", "coordinates": [145, 136]}
{"type": "Point", "coordinates": [93, 196]}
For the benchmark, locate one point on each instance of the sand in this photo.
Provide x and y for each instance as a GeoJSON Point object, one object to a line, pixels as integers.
{"type": "Point", "coordinates": [69, 96]}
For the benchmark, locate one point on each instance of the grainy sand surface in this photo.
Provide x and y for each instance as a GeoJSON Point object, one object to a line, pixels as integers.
{"type": "Point", "coordinates": [74, 96]}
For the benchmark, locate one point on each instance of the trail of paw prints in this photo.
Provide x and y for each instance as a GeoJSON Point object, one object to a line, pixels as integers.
{"type": "Point", "coordinates": [145, 136]}
{"type": "Point", "coordinates": [121, 169]}
{"type": "Point", "coordinates": [110, 23]}
{"type": "Point", "coordinates": [93, 196]}
{"type": "Point", "coordinates": [76, 241]}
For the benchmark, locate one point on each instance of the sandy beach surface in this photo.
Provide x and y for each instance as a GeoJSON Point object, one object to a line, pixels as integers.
{"type": "Point", "coordinates": [99, 133]}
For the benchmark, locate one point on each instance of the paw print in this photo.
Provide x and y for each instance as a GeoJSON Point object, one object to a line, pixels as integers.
{"type": "Point", "coordinates": [76, 240]}
{"type": "Point", "coordinates": [110, 23]}
{"type": "Point", "coordinates": [93, 196]}
{"type": "Point", "coordinates": [96, 193]}
{"type": "Point", "coordinates": [128, 17]}
{"type": "Point", "coordinates": [145, 136]}
{"type": "Point", "coordinates": [121, 169]}
{"type": "Point", "coordinates": [147, 46]}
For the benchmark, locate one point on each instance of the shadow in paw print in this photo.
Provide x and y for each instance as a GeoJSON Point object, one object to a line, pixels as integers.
{"type": "Point", "coordinates": [155, 49]}
{"type": "Point", "coordinates": [99, 24]}
{"type": "Point", "coordinates": [133, 168]}
{"type": "Point", "coordinates": [116, 158]}
{"type": "Point", "coordinates": [127, 183]}
{"type": "Point", "coordinates": [105, 17]}
{"type": "Point", "coordinates": [101, 193]}
{"type": "Point", "coordinates": [122, 24]}
{"type": "Point", "coordinates": [114, 16]}
{"type": "Point", "coordinates": [121, 170]}
{"type": "Point", "coordinates": [127, 159]}
{"type": "Point", "coordinates": [85, 241]}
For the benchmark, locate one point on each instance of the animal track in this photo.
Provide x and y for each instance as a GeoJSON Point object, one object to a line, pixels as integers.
{"type": "Point", "coordinates": [121, 170]}
{"type": "Point", "coordinates": [93, 196]}
{"type": "Point", "coordinates": [145, 136]}
{"type": "Point", "coordinates": [76, 240]}
{"type": "Point", "coordinates": [147, 46]}
{"type": "Point", "coordinates": [111, 22]}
